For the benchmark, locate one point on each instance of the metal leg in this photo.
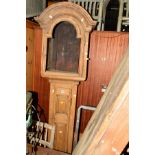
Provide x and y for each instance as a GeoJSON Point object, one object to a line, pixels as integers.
{"type": "Point", "coordinates": [78, 122]}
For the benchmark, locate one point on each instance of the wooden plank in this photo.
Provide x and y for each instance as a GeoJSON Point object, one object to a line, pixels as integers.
{"type": "Point", "coordinates": [29, 58]}
{"type": "Point", "coordinates": [109, 122]}
{"type": "Point", "coordinates": [114, 140]}
{"type": "Point", "coordinates": [34, 81]}
{"type": "Point", "coordinates": [106, 52]}
{"type": "Point", "coordinates": [40, 85]}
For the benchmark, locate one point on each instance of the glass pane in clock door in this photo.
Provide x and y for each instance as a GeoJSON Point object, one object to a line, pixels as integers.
{"type": "Point", "coordinates": [63, 50]}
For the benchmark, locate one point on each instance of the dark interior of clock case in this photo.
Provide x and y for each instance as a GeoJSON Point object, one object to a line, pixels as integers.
{"type": "Point", "coordinates": [63, 49]}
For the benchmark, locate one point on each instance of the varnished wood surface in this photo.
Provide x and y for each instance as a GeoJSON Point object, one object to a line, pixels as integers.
{"type": "Point", "coordinates": [107, 131]}
{"type": "Point", "coordinates": [40, 84]}
{"type": "Point", "coordinates": [29, 58]}
{"type": "Point", "coordinates": [31, 24]}
{"type": "Point", "coordinates": [106, 51]}
{"type": "Point", "coordinates": [30, 49]}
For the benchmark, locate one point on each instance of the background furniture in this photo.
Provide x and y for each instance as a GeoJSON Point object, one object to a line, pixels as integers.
{"type": "Point", "coordinates": [43, 136]}
{"type": "Point", "coordinates": [123, 17]}
{"type": "Point", "coordinates": [34, 7]}
{"type": "Point", "coordinates": [96, 8]}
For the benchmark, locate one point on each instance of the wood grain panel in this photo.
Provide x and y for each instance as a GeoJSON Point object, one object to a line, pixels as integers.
{"type": "Point", "coordinates": [107, 131]}
{"type": "Point", "coordinates": [40, 85]}
{"type": "Point", "coordinates": [106, 51]}
{"type": "Point", "coordinates": [29, 57]}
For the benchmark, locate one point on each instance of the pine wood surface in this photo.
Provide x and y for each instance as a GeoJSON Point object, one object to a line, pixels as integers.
{"type": "Point", "coordinates": [29, 58]}
{"type": "Point", "coordinates": [62, 111]}
{"type": "Point", "coordinates": [39, 85]}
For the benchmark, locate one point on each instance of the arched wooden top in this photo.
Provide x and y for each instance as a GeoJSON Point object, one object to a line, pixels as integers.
{"type": "Point", "coordinates": [65, 11]}
{"type": "Point", "coordinates": [83, 24]}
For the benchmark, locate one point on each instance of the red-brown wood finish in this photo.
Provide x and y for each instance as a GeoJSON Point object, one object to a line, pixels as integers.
{"type": "Point", "coordinates": [40, 85]}
{"type": "Point", "coordinates": [106, 51]}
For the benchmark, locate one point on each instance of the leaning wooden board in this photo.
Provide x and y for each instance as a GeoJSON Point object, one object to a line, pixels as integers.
{"type": "Point", "coordinates": [107, 130]}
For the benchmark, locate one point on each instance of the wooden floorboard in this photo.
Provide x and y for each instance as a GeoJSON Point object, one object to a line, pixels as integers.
{"type": "Point", "coordinates": [45, 151]}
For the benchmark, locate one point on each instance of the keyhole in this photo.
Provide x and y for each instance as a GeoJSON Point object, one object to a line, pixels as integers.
{"type": "Point", "coordinates": [26, 48]}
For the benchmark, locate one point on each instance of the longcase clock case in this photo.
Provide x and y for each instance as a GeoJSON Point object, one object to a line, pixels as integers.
{"type": "Point", "coordinates": [66, 28]}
